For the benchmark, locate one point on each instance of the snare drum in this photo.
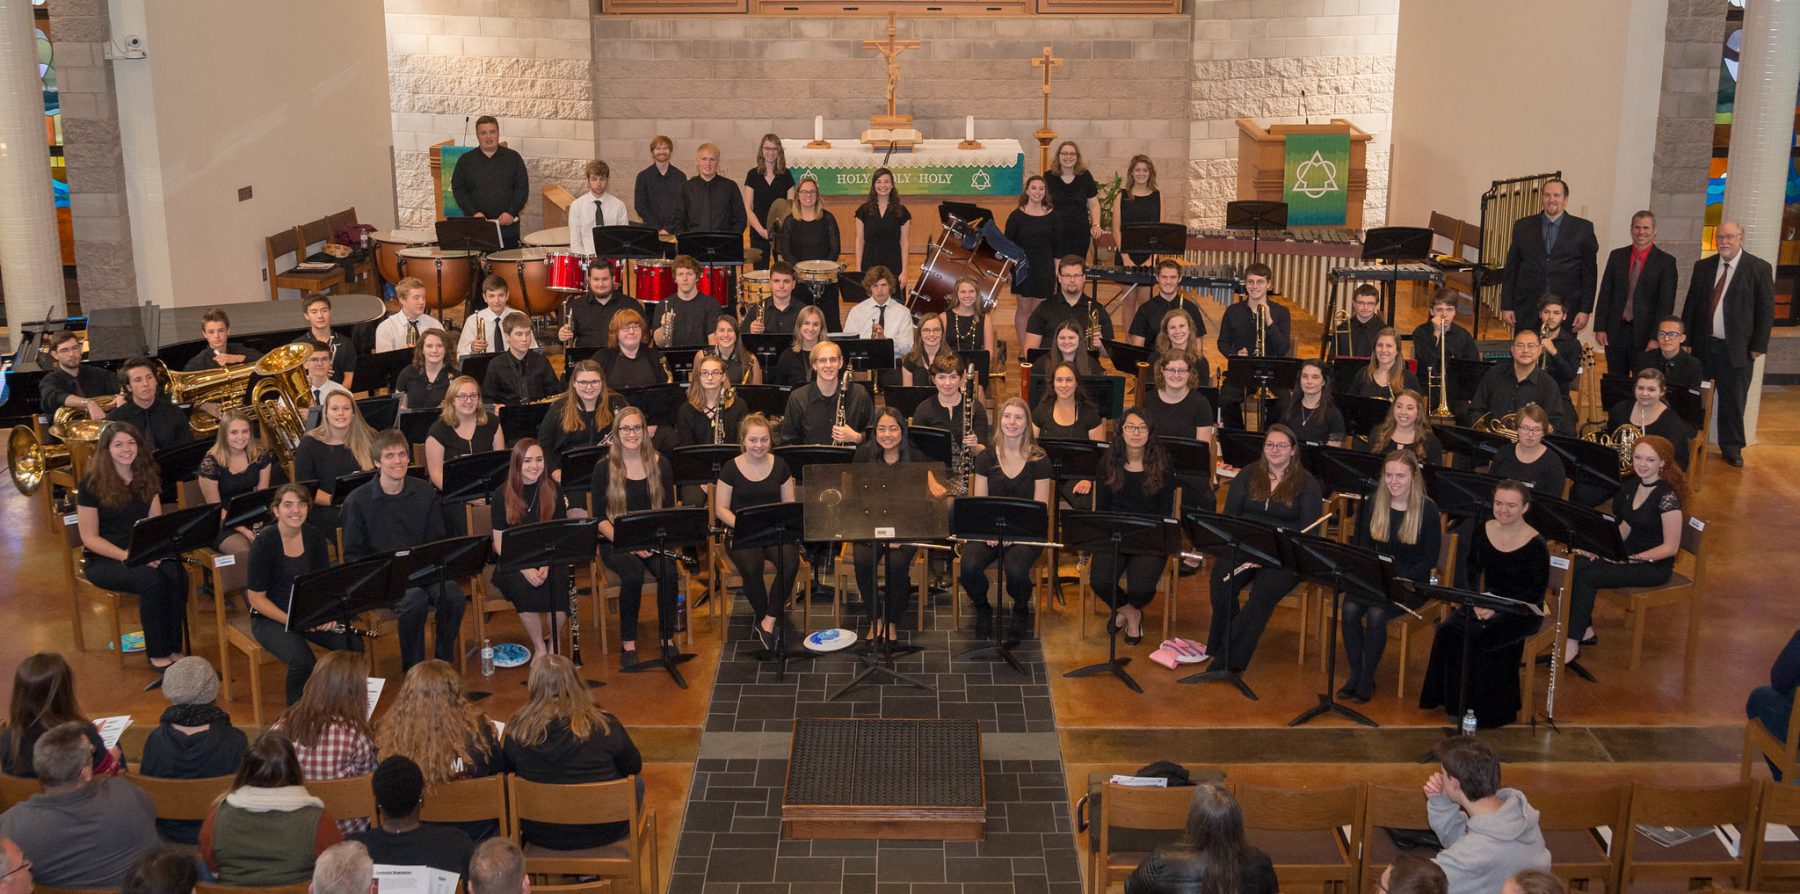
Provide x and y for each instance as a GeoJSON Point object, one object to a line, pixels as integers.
{"type": "Point", "coordinates": [653, 281]}
{"type": "Point", "coordinates": [555, 237]}
{"type": "Point", "coordinates": [447, 273]}
{"type": "Point", "coordinates": [720, 282]}
{"type": "Point", "coordinates": [526, 271]}
{"type": "Point", "coordinates": [818, 272]}
{"type": "Point", "coordinates": [388, 245]}
{"type": "Point", "coordinates": [568, 272]}
{"type": "Point", "coordinates": [756, 286]}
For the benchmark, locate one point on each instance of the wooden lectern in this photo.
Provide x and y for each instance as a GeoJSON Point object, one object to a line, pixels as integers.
{"type": "Point", "coordinates": [1262, 154]}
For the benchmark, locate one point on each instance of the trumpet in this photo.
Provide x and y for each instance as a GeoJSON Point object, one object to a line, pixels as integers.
{"type": "Point", "coordinates": [1093, 323]}
{"type": "Point", "coordinates": [668, 323]}
{"type": "Point", "coordinates": [1440, 412]}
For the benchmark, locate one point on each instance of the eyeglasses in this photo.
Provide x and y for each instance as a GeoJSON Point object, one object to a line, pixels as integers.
{"type": "Point", "coordinates": [15, 870]}
{"type": "Point", "coordinates": [630, 429]}
{"type": "Point", "coordinates": [476, 396]}
{"type": "Point", "coordinates": [1277, 445]}
{"type": "Point", "coordinates": [1134, 428]}
{"type": "Point", "coordinates": [1530, 429]}
{"type": "Point", "coordinates": [1669, 333]}
{"type": "Point", "coordinates": [712, 372]}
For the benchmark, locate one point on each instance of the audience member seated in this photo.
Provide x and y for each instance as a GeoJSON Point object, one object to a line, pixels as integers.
{"type": "Point", "coordinates": [43, 697]}
{"type": "Point", "coordinates": [443, 732]}
{"type": "Point", "coordinates": [1770, 704]}
{"type": "Point", "coordinates": [166, 870]}
{"type": "Point", "coordinates": [81, 831]}
{"type": "Point", "coordinates": [1534, 881]}
{"type": "Point", "coordinates": [15, 870]}
{"type": "Point", "coordinates": [1413, 874]}
{"type": "Point", "coordinates": [498, 867]}
{"type": "Point", "coordinates": [1488, 832]}
{"type": "Point", "coordinates": [402, 840]}
{"type": "Point", "coordinates": [562, 737]}
{"type": "Point", "coordinates": [1212, 854]}
{"type": "Point", "coordinates": [344, 868]}
{"type": "Point", "coordinates": [329, 726]}
{"type": "Point", "coordinates": [268, 829]}
{"type": "Point", "coordinates": [194, 739]}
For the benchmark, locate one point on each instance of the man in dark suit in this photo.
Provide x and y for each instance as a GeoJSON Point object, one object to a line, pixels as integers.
{"type": "Point", "coordinates": [1730, 307]}
{"type": "Point", "coordinates": [1637, 290]}
{"type": "Point", "coordinates": [1552, 253]}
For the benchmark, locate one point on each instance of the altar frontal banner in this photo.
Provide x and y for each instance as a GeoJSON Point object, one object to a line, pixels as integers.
{"type": "Point", "coordinates": [926, 180]}
{"type": "Point", "coordinates": [1316, 178]}
{"type": "Point", "coordinates": [448, 156]}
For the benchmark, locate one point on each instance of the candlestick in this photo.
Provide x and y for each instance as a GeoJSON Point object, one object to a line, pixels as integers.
{"type": "Point", "coordinates": [968, 134]}
{"type": "Point", "coordinates": [818, 140]}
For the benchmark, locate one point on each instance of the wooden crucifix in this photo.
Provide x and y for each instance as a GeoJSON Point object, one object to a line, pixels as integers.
{"type": "Point", "coordinates": [1045, 136]}
{"type": "Point", "coordinates": [890, 50]}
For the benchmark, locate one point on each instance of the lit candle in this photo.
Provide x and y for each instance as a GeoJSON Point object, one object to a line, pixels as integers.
{"type": "Point", "coordinates": [818, 128]}
{"type": "Point", "coordinates": [969, 128]}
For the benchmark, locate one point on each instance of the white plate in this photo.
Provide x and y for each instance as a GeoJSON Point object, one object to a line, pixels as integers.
{"type": "Point", "coordinates": [511, 655]}
{"type": "Point", "coordinates": [830, 640]}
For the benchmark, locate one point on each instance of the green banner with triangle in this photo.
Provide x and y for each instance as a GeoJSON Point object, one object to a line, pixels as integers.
{"type": "Point", "coordinates": [1315, 179]}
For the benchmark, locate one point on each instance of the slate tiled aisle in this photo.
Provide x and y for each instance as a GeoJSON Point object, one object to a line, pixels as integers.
{"type": "Point", "coordinates": [731, 839]}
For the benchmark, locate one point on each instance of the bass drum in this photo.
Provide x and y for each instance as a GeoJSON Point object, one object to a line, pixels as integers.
{"type": "Point", "coordinates": [946, 261]}
{"type": "Point", "coordinates": [448, 274]}
{"type": "Point", "coordinates": [526, 271]}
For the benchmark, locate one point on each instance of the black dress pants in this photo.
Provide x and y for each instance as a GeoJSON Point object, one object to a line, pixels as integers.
{"type": "Point", "coordinates": [294, 652]}
{"type": "Point", "coordinates": [161, 593]}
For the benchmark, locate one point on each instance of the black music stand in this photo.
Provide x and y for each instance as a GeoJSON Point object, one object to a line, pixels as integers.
{"type": "Point", "coordinates": [1011, 522]}
{"type": "Point", "coordinates": [1230, 541]}
{"type": "Point", "coordinates": [628, 243]}
{"type": "Point", "coordinates": [1576, 527]}
{"type": "Point", "coordinates": [335, 595]}
{"type": "Point", "coordinates": [1153, 240]}
{"type": "Point", "coordinates": [182, 461]}
{"type": "Point", "coordinates": [348, 484]}
{"type": "Point", "coordinates": [1595, 467]}
{"type": "Point", "coordinates": [475, 475]}
{"type": "Point", "coordinates": [168, 537]}
{"type": "Point", "coordinates": [680, 360]}
{"type": "Point", "coordinates": [416, 424]}
{"type": "Point", "coordinates": [663, 531]}
{"type": "Point", "coordinates": [1465, 379]}
{"type": "Point", "coordinates": [380, 412]}
{"type": "Point", "coordinates": [1480, 447]}
{"type": "Point", "coordinates": [761, 527]}
{"type": "Point", "coordinates": [1238, 448]}
{"type": "Point", "coordinates": [522, 420]}
{"type": "Point", "coordinates": [577, 467]}
{"type": "Point", "coordinates": [376, 372]}
{"type": "Point", "coordinates": [477, 234]}
{"type": "Point", "coordinates": [1256, 216]}
{"type": "Point", "coordinates": [931, 442]}
{"type": "Point", "coordinates": [1192, 463]}
{"type": "Point", "coordinates": [660, 403]}
{"type": "Point", "coordinates": [798, 457]}
{"type": "Point", "coordinates": [1394, 245]}
{"type": "Point", "coordinates": [1120, 534]}
{"type": "Point", "coordinates": [1129, 359]}
{"type": "Point", "coordinates": [559, 541]}
{"type": "Point", "coordinates": [1353, 573]}
{"type": "Point", "coordinates": [475, 366]}
{"type": "Point", "coordinates": [769, 400]}
{"type": "Point", "coordinates": [1107, 393]}
{"type": "Point", "coordinates": [968, 214]}
{"type": "Point", "coordinates": [1344, 471]}
{"type": "Point", "coordinates": [1460, 494]}
{"type": "Point", "coordinates": [251, 509]}
{"type": "Point", "coordinates": [1362, 414]}
{"type": "Point", "coordinates": [1255, 374]}
{"type": "Point", "coordinates": [1073, 459]}
{"type": "Point", "coordinates": [868, 355]}
{"type": "Point", "coordinates": [907, 398]}
{"type": "Point", "coordinates": [699, 464]}
{"type": "Point", "coordinates": [767, 346]}
{"type": "Point", "coordinates": [1343, 372]}
{"type": "Point", "coordinates": [1469, 601]}
{"type": "Point", "coordinates": [716, 249]}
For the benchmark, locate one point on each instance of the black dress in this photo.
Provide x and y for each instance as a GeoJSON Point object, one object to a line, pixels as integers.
{"type": "Point", "coordinates": [810, 240]}
{"type": "Point", "coordinates": [455, 445]}
{"type": "Point", "coordinates": [695, 426]}
{"type": "Point", "coordinates": [763, 193]}
{"type": "Point", "coordinates": [1037, 237]}
{"type": "Point", "coordinates": [1546, 474]}
{"type": "Point", "coordinates": [965, 333]}
{"type": "Point", "coordinates": [1668, 425]}
{"type": "Point", "coordinates": [553, 595]}
{"type": "Point", "coordinates": [1068, 202]}
{"type": "Point", "coordinates": [881, 237]}
{"type": "Point", "coordinates": [745, 493]}
{"type": "Point", "coordinates": [231, 484]}
{"type": "Point", "coordinates": [315, 460]}
{"type": "Point", "coordinates": [421, 391]}
{"type": "Point", "coordinates": [1497, 644]}
{"type": "Point", "coordinates": [1087, 418]}
{"type": "Point", "coordinates": [1138, 210]}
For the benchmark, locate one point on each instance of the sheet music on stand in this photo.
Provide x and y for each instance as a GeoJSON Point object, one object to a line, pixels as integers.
{"type": "Point", "coordinates": [115, 333]}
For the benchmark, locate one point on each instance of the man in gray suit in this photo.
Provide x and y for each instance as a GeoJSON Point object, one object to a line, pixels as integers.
{"type": "Point", "coordinates": [1729, 309]}
{"type": "Point", "coordinates": [1552, 253]}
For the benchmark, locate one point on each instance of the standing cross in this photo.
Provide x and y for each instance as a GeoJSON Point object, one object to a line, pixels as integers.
{"type": "Point", "coordinates": [890, 50]}
{"type": "Point", "coordinates": [1046, 62]}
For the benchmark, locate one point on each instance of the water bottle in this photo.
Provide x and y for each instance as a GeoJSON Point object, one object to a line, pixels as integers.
{"type": "Point", "coordinates": [1434, 577]}
{"type": "Point", "coordinates": [1468, 723]}
{"type": "Point", "coordinates": [681, 617]}
{"type": "Point", "coordinates": [487, 660]}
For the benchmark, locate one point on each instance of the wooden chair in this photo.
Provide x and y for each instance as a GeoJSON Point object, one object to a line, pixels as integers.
{"type": "Point", "coordinates": [85, 591]}
{"type": "Point", "coordinates": [1686, 807]}
{"type": "Point", "coordinates": [603, 886]}
{"type": "Point", "coordinates": [363, 274]}
{"type": "Point", "coordinates": [1689, 586]}
{"type": "Point", "coordinates": [217, 888]}
{"type": "Point", "coordinates": [593, 802]}
{"type": "Point", "coordinates": [1129, 809]}
{"type": "Point", "coordinates": [287, 242]}
{"type": "Point", "coordinates": [16, 790]}
{"type": "Point", "coordinates": [1702, 432]}
{"type": "Point", "coordinates": [1301, 831]}
{"type": "Point", "coordinates": [1387, 807]}
{"type": "Point", "coordinates": [1430, 615]}
{"type": "Point", "coordinates": [474, 800]}
{"type": "Point", "coordinates": [188, 800]}
{"type": "Point", "coordinates": [1568, 819]}
{"type": "Point", "coordinates": [1778, 805]}
{"type": "Point", "coordinates": [1759, 742]}
{"type": "Point", "coordinates": [352, 797]}
{"type": "Point", "coordinates": [233, 630]}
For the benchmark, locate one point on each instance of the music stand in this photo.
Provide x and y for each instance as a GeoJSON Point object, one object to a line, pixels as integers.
{"type": "Point", "coordinates": [662, 531]}
{"type": "Point", "coordinates": [1353, 572]}
{"type": "Point", "coordinates": [168, 537]}
{"type": "Point", "coordinates": [182, 461]}
{"type": "Point", "coordinates": [475, 366]}
{"type": "Point", "coordinates": [522, 420]}
{"type": "Point", "coordinates": [761, 527]}
{"type": "Point", "coordinates": [1072, 459]}
{"type": "Point", "coordinates": [577, 467]}
{"type": "Point", "coordinates": [1192, 462]}
{"type": "Point", "coordinates": [660, 403]}
{"type": "Point", "coordinates": [1255, 375]}
{"type": "Point", "coordinates": [1460, 494]}
{"type": "Point", "coordinates": [1595, 466]}
{"type": "Point", "coordinates": [1469, 600]}
{"type": "Point", "coordinates": [1011, 522]}
{"type": "Point", "coordinates": [1107, 393]}
{"type": "Point", "coordinates": [767, 346]}
{"type": "Point", "coordinates": [1344, 471]}
{"type": "Point", "coordinates": [1480, 447]}
{"type": "Point", "coordinates": [1362, 414]}
{"type": "Point", "coordinates": [628, 243]}
{"type": "Point", "coordinates": [1576, 527]}
{"type": "Point", "coordinates": [474, 476]}
{"type": "Point", "coordinates": [1231, 541]}
{"type": "Point", "coordinates": [379, 413]}
{"type": "Point", "coordinates": [377, 371]}
{"type": "Point", "coordinates": [932, 442]}
{"type": "Point", "coordinates": [477, 234]}
{"type": "Point", "coordinates": [1256, 216]}
{"type": "Point", "coordinates": [716, 249]}
{"type": "Point", "coordinates": [335, 595]}
{"type": "Point", "coordinates": [559, 541]}
{"type": "Point", "coordinates": [799, 457]}
{"type": "Point", "coordinates": [1393, 245]}
{"type": "Point", "coordinates": [680, 360]}
{"type": "Point", "coordinates": [1157, 239]}
{"type": "Point", "coordinates": [1120, 534]}
{"type": "Point", "coordinates": [348, 484]}
{"type": "Point", "coordinates": [416, 424]}
{"type": "Point", "coordinates": [1130, 360]}
{"type": "Point", "coordinates": [247, 510]}
{"type": "Point", "coordinates": [952, 213]}
{"type": "Point", "coordinates": [769, 400]}
{"type": "Point", "coordinates": [865, 354]}
{"type": "Point", "coordinates": [1238, 448]}
{"type": "Point", "coordinates": [1465, 378]}
{"type": "Point", "coordinates": [906, 398]}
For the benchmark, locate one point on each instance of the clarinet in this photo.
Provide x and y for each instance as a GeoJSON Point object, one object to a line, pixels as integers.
{"type": "Point", "coordinates": [838, 420]}
{"type": "Point", "coordinates": [574, 620]}
{"type": "Point", "coordinates": [962, 461]}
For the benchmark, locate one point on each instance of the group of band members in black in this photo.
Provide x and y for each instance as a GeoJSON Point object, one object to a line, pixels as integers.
{"type": "Point", "coordinates": [614, 343]}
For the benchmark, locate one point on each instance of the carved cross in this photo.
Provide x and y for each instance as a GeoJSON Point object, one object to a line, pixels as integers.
{"type": "Point", "coordinates": [1046, 62]}
{"type": "Point", "coordinates": [890, 49]}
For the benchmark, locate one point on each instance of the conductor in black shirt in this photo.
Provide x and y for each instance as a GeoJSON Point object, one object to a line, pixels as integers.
{"type": "Point", "coordinates": [491, 182]}
{"type": "Point", "coordinates": [657, 194]}
{"type": "Point", "coordinates": [397, 511]}
{"type": "Point", "coordinates": [1554, 252]}
{"type": "Point", "coordinates": [710, 203]}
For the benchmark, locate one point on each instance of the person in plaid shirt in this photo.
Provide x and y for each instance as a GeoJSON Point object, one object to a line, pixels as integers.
{"type": "Point", "coordinates": [329, 725]}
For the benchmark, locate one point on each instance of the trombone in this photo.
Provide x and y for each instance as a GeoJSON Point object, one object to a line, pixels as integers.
{"type": "Point", "coordinates": [1440, 411]}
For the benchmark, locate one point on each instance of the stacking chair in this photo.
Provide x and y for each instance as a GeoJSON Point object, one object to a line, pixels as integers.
{"type": "Point", "coordinates": [363, 275]}
{"type": "Point", "coordinates": [1779, 805]}
{"type": "Point", "coordinates": [1430, 615]}
{"type": "Point", "coordinates": [475, 800]}
{"type": "Point", "coordinates": [352, 797]}
{"type": "Point", "coordinates": [84, 591]}
{"type": "Point", "coordinates": [1569, 819]}
{"type": "Point", "coordinates": [1131, 817]}
{"type": "Point", "coordinates": [183, 799]}
{"type": "Point", "coordinates": [1686, 807]}
{"type": "Point", "coordinates": [632, 857]}
{"type": "Point", "coordinates": [1689, 587]}
{"type": "Point", "coordinates": [1387, 807]}
{"type": "Point", "coordinates": [287, 242]}
{"type": "Point", "coordinates": [16, 790]}
{"type": "Point", "coordinates": [1301, 831]}
{"type": "Point", "coordinates": [1785, 754]}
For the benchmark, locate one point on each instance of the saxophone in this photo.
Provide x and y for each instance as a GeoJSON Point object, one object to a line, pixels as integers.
{"type": "Point", "coordinates": [962, 458]}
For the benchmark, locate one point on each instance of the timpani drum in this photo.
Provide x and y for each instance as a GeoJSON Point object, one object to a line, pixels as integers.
{"type": "Point", "coordinates": [389, 244]}
{"type": "Point", "coordinates": [567, 271]}
{"type": "Point", "coordinates": [720, 282]}
{"type": "Point", "coordinates": [654, 280]}
{"type": "Point", "coordinates": [526, 271]}
{"type": "Point", "coordinates": [447, 273]}
{"type": "Point", "coordinates": [756, 286]}
{"type": "Point", "coordinates": [555, 237]}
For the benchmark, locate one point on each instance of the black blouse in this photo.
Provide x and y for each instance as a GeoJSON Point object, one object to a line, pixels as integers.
{"type": "Point", "coordinates": [965, 333]}
{"type": "Point", "coordinates": [695, 426]}
{"type": "Point", "coordinates": [746, 493]}
{"type": "Point", "coordinates": [232, 483]}
{"type": "Point", "coordinates": [556, 442]}
{"type": "Point", "coordinates": [272, 570]}
{"type": "Point", "coordinates": [422, 392]}
{"type": "Point", "coordinates": [810, 240]}
{"type": "Point", "coordinates": [1366, 386]}
{"type": "Point", "coordinates": [1087, 418]}
{"type": "Point", "coordinates": [637, 490]}
{"type": "Point", "coordinates": [1412, 561]}
{"type": "Point", "coordinates": [1427, 450]}
{"type": "Point", "coordinates": [1668, 425]}
{"type": "Point", "coordinates": [1180, 419]}
{"type": "Point", "coordinates": [1022, 487]}
{"type": "Point", "coordinates": [1645, 521]}
{"type": "Point", "coordinates": [764, 192]}
{"type": "Point", "coordinates": [455, 445]}
{"type": "Point", "coordinates": [1319, 425]}
{"type": "Point", "coordinates": [316, 460]}
{"type": "Point", "coordinates": [1131, 496]}
{"type": "Point", "coordinates": [1299, 513]}
{"type": "Point", "coordinates": [116, 522]}
{"type": "Point", "coordinates": [632, 372]}
{"type": "Point", "coordinates": [930, 412]}
{"type": "Point", "coordinates": [1546, 474]}
{"type": "Point", "coordinates": [1522, 574]}
{"type": "Point", "coordinates": [792, 367]}
{"type": "Point", "coordinates": [497, 500]}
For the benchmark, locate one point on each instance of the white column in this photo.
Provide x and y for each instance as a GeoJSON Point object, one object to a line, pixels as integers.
{"type": "Point", "coordinates": [1762, 129]}
{"type": "Point", "coordinates": [29, 252]}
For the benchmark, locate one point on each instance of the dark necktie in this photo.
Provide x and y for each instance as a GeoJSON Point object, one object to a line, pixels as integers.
{"type": "Point", "coordinates": [1637, 267]}
{"type": "Point", "coordinates": [1718, 294]}
{"type": "Point", "coordinates": [497, 335]}
{"type": "Point", "coordinates": [412, 333]}
{"type": "Point", "coordinates": [1550, 228]}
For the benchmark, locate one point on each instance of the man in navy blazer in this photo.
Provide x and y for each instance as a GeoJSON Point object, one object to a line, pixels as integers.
{"type": "Point", "coordinates": [1637, 290]}
{"type": "Point", "coordinates": [1730, 307]}
{"type": "Point", "coordinates": [1552, 253]}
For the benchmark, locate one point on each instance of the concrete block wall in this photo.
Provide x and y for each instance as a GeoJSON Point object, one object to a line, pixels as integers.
{"type": "Point", "coordinates": [93, 153]}
{"type": "Point", "coordinates": [1684, 127]}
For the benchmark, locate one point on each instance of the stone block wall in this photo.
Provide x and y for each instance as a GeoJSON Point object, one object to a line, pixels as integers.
{"type": "Point", "coordinates": [526, 62]}
{"type": "Point", "coordinates": [1684, 127]}
{"type": "Point", "coordinates": [95, 159]}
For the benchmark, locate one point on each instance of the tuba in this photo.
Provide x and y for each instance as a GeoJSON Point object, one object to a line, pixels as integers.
{"type": "Point", "coordinates": [1622, 439]}
{"type": "Point", "coordinates": [32, 460]}
{"type": "Point", "coordinates": [225, 386]}
{"type": "Point", "coordinates": [281, 398]}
